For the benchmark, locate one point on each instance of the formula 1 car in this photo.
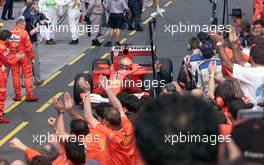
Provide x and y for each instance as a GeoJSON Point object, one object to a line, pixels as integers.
{"type": "Point", "coordinates": [124, 73]}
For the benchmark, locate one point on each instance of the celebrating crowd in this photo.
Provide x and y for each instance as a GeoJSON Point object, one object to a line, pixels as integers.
{"type": "Point", "coordinates": [194, 120]}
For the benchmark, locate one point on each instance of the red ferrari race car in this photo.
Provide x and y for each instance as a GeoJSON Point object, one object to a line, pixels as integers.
{"type": "Point", "coordinates": [130, 70]}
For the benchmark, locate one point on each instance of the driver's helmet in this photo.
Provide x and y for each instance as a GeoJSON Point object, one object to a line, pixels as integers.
{"type": "Point", "coordinates": [125, 63]}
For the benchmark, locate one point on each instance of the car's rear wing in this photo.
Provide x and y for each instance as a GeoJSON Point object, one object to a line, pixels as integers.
{"type": "Point", "coordinates": [135, 50]}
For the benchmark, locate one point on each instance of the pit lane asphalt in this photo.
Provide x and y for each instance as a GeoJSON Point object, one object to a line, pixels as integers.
{"type": "Point", "coordinates": [26, 122]}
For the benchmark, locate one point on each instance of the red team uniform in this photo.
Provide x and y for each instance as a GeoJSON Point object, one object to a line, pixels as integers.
{"type": "Point", "coordinates": [3, 79]}
{"type": "Point", "coordinates": [258, 10]}
{"type": "Point", "coordinates": [20, 43]}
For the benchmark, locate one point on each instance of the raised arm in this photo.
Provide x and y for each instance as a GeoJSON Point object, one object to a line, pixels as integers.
{"type": "Point", "coordinates": [112, 97]}
{"type": "Point", "coordinates": [68, 103]}
{"type": "Point", "coordinates": [17, 144]}
{"type": "Point", "coordinates": [29, 152]}
{"type": "Point", "coordinates": [211, 82]}
{"type": "Point", "coordinates": [60, 120]}
{"type": "Point", "coordinates": [88, 114]}
{"type": "Point", "coordinates": [218, 38]}
{"type": "Point", "coordinates": [258, 4]}
{"type": "Point", "coordinates": [238, 57]}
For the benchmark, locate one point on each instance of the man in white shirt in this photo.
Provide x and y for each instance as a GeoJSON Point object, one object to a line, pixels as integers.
{"type": "Point", "coordinates": [252, 80]}
{"type": "Point", "coordinates": [250, 74]}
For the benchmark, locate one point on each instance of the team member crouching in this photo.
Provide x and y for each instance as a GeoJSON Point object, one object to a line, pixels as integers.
{"type": "Point", "coordinates": [4, 36]}
{"type": "Point", "coordinates": [20, 56]}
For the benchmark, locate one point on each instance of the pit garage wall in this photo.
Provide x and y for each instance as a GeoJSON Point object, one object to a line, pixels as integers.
{"type": "Point", "coordinates": [245, 5]}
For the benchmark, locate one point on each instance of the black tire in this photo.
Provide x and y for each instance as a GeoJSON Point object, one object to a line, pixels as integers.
{"type": "Point", "coordinates": [76, 88]}
{"type": "Point", "coordinates": [166, 70]}
{"type": "Point", "coordinates": [148, 84]}
{"type": "Point", "coordinates": [100, 61]}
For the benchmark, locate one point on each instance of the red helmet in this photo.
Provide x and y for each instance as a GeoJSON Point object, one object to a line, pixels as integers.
{"type": "Point", "coordinates": [125, 63]}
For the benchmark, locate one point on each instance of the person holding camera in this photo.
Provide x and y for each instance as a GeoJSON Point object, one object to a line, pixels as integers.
{"type": "Point", "coordinates": [33, 22]}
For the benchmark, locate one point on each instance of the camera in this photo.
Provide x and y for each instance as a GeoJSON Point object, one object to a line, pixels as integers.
{"type": "Point", "coordinates": [170, 88]}
{"type": "Point", "coordinates": [39, 18]}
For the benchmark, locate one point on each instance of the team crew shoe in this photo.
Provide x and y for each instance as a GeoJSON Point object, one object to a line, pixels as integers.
{"type": "Point", "coordinates": [108, 44]}
{"type": "Point", "coordinates": [74, 42]}
{"type": "Point", "coordinates": [96, 43]}
{"type": "Point", "coordinates": [139, 28]}
{"type": "Point", "coordinates": [118, 43]}
{"type": "Point", "coordinates": [31, 98]}
{"type": "Point", "coordinates": [17, 98]}
{"type": "Point", "coordinates": [4, 120]}
{"type": "Point", "coordinates": [50, 42]}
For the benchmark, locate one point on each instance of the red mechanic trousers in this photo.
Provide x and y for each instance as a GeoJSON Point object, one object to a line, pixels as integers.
{"type": "Point", "coordinates": [25, 65]}
{"type": "Point", "coordinates": [3, 82]}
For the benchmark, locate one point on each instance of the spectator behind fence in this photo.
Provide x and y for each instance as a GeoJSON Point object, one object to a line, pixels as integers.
{"type": "Point", "coordinates": [250, 42]}
{"type": "Point", "coordinates": [202, 76]}
{"type": "Point", "coordinates": [189, 63]}
{"type": "Point", "coordinates": [237, 16]}
{"type": "Point", "coordinates": [245, 34]}
{"type": "Point", "coordinates": [257, 27]}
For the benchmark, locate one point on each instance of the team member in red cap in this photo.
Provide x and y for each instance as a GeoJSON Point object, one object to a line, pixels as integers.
{"type": "Point", "coordinates": [21, 54]}
{"type": "Point", "coordinates": [4, 36]}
